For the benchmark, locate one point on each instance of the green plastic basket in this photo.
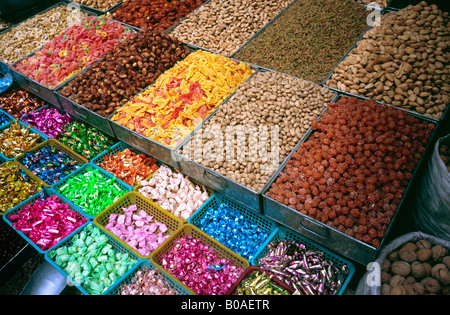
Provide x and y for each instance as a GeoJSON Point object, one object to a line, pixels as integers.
{"type": "Point", "coordinates": [86, 168]}
{"type": "Point", "coordinates": [209, 190]}
{"type": "Point", "coordinates": [119, 147]}
{"type": "Point", "coordinates": [176, 285]}
{"type": "Point", "coordinates": [60, 147]}
{"type": "Point", "coordinates": [116, 246]}
{"type": "Point", "coordinates": [251, 215]}
{"type": "Point", "coordinates": [132, 198]}
{"type": "Point", "coordinates": [189, 229]}
{"type": "Point", "coordinates": [284, 233]}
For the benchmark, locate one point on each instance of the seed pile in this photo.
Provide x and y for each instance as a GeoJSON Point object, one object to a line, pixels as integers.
{"type": "Point", "coordinates": [308, 39]}
{"type": "Point", "coordinates": [224, 26]}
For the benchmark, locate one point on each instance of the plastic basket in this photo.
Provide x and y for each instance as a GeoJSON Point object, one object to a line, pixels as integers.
{"type": "Point", "coordinates": [43, 194]}
{"type": "Point", "coordinates": [31, 176]}
{"type": "Point", "coordinates": [252, 269]}
{"type": "Point", "coordinates": [251, 215]}
{"type": "Point", "coordinates": [114, 290]}
{"type": "Point", "coordinates": [189, 229]}
{"type": "Point", "coordinates": [8, 125]}
{"type": "Point", "coordinates": [58, 145]}
{"type": "Point", "coordinates": [86, 168]}
{"type": "Point", "coordinates": [283, 233]}
{"type": "Point", "coordinates": [209, 190]}
{"type": "Point", "coordinates": [26, 116]}
{"type": "Point", "coordinates": [73, 147]}
{"type": "Point", "coordinates": [132, 198]}
{"type": "Point", "coordinates": [118, 147]}
{"type": "Point", "coordinates": [2, 112]}
{"type": "Point", "coordinates": [116, 246]}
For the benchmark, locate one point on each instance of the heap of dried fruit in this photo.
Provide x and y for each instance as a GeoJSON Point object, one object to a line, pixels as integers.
{"type": "Point", "coordinates": [353, 171]}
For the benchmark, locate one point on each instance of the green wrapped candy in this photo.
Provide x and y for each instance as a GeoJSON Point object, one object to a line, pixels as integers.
{"type": "Point", "coordinates": [87, 265]}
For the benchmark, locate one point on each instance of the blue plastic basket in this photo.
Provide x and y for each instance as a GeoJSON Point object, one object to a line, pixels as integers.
{"type": "Point", "coordinates": [85, 168]}
{"type": "Point", "coordinates": [251, 215]}
{"type": "Point", "coordinates": [116, 246]}
{"type": "Point", "coordinates": [114, 289]}
{"type": "Point", "coordinates": [43, 194]}
{"type": "Point", "coordinates": [283, 233]}
{"type": "Point", "coordinates": [118, 147]}
{"type": "Point", "coordinates": [8, 125]}
{"type": "Point", "coordinates": [2, 112]}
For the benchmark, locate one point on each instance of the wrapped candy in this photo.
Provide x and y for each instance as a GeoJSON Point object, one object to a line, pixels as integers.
{"type": "Point", "coordinates": [48, 121]}
{"type": "Point", "coordinates": [197, 265]}
{"type": "Point", "coordinates": [91, 261]}
{"type": "Point", "coordinates": [174, 192]}
{"type": "Point", "coordinates": [147, 281]}
{"type": "Point", "coordinates": [46, 221]}
{"type": "Point", "coordinates": [305, 270]}
{"type": "Point", "coordinates": [129, 166]}
{"type": "Point", "coordinates": [15, 186]}
{"type": "Point", "coordinates": [138, 229]}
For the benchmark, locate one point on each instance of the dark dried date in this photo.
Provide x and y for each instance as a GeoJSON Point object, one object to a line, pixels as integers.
{"type": "Point", "coordinates": [125, 71]}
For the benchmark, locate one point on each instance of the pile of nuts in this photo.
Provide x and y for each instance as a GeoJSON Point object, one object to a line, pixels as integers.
{"type": "Point", "coordinates": [268, 99]}
{"type": "Point", "coordinates": [403, 62]}
{"type": "Point", "coordinates": [157, 14]}
{"type": "Point", "coordinates": [223, 27]}
{"type": "Point", "coordinates": [352, 172]}
{"type": "Point", "coordinates": [416, 268]}
{"type": "Point", "coordinates": [125, 71]}
{"type": "Point", "coordinates": [35, 32]}
{"type": "Point", "coordinates": [102, 5]}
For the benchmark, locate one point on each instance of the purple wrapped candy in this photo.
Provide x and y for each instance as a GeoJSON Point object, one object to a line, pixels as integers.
{"type": "Point", "coordinates": [305, 270]}
{"type": "Point", "coordinates": [48, 120]}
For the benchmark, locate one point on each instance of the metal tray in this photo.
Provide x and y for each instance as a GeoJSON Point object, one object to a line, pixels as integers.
{"type": "Point", "coordinates": [262, 29]}
{"type": "Point", "coordinates": [330, 237]}
{"type": "Point", "coordinates": [222, 183]}
{"type": "Point", "coordinates": [113, 10]}
{"type": "Point", "coordinates": [170, 29]}
{"type": "Point", "coordinates": [32, 86]}
{"type": "Point", "coordinates": [95, 10]}
{"type": "Point", "coordinates": [80, 112]}
{"type": "Point", "coordinates": [158, 150]}
{"type": "Point", "coordinates": [46, 93]}
{"type": "Point", "coordinates": [324, 82]}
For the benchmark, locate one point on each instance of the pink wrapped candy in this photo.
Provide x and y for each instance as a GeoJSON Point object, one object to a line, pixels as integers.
{"type": "Point", "coordinates": [46, 221]}
{"type": "Point", "coordinates": [48, 120]}
{"type": "Point", "coordinates": [198, 266]}
{"type": "Point", "coordinates": [138, 229]}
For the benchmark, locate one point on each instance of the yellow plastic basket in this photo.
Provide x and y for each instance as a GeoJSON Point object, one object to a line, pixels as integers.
{"type": "Point", "coordinates": [209, 190]}
{"type": "Point", "coordinates": [133, 198]}
{"type": "Point", "coordinates": [189, 229]}
{"type": "Point", "coordinates": [59, 146]}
